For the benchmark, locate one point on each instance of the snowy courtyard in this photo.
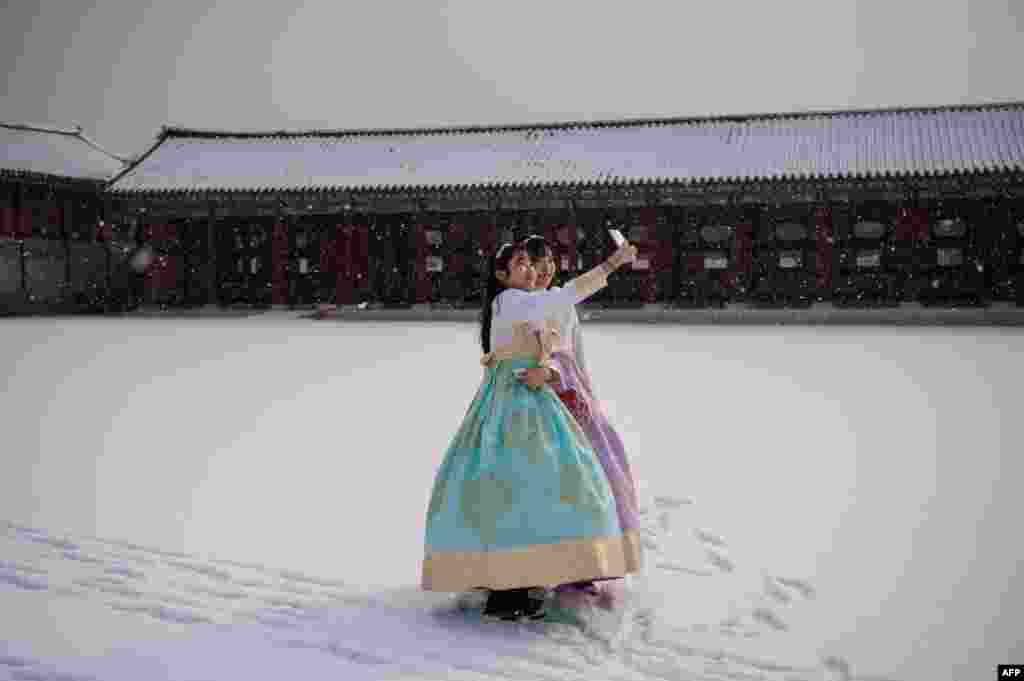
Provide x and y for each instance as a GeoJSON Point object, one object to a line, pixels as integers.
{"type": "Point", "coordinates": [204, 500]}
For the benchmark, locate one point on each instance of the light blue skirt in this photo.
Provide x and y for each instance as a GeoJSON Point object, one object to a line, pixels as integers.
{"type": "Point", "coordinates": [521, 498]}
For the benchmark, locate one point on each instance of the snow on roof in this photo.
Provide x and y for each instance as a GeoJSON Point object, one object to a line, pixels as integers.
{"type": "Point", "coordinates": [28, 148]}
{"type": "Point", "coordinates": [808, 145]}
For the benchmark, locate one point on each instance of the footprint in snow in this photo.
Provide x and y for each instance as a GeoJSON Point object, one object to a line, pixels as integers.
{"type": "Point", "coordinates": [142, 549]}
{"type": "Point", "coordinates": [316, 581]}
{"type": "Point", "coordinates": [23, 582]}
{"type": "Point", "coordinates": [770, 618]}
{"type": "Point", "coordinates": [44, 675]}
{"type": "Point", "coordinates": [285, 603]}
{"type": "Point", "coordinates": [125, 571]}
{"type": "Point", "coordinates": [710, 538]}
{"type": "Point", "coordinates": [204, 570]}
{"type": "Point", "coordinates": [124, 591]}
{"type": "Point", "coordinates": [23, 529]}
{"type": "Point", "coordinates": [355, 655]}
{"type": "Point", "coordinates": [802, 587]}
{"type": "Point", "coordinates": [6, 566]}
{"type": "Point", "coordinates": [663, 502]}
{"type": "Point", "coordinates": [163, 613]}
{"type": "Point", "coordinates": [775, 592]}
{"type": "Point", "coordinates": [215, 593]}
{"type": "Point", "coordinates": [11, 661]}
{"type": "Point", "coordinates": [665, 521]}
{"type": "Point", "coordinates": [296, 590]}
{"type": "Point", "coordinates": [836, 669]}
{"type": "Point", "coordinates": [720, 561]}
{"type": "Point", "coordinates": [267, 621]}
{"type": "Point", "coordinates": [82, 558]}
{"type": "Point", "coordinates": [61, 544]}
{"type": "Point", "coordinates": [179, 600]}
{"type": "Point", "coordinates": [673, 567]}
{"type": "Point", "coordinates": [103, 579]}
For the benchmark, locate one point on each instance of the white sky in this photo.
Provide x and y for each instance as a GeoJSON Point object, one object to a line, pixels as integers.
{"type": "Point", "coordinates": [881, 465]}
{"type": "Point", "coordinates": [123, 68]}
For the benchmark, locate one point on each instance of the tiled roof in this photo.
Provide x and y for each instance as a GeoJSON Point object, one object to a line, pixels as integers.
{"type": "Point", "coordinates": [813, 145]}
{"type": "Point", "coordinates": [26, 148]}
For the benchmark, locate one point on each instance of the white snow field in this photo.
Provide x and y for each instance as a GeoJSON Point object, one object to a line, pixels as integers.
{"type": "Point", "coordinates": [209, 500]}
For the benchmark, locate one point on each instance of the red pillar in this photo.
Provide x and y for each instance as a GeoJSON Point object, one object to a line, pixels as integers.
{"type": "Point", "coordinates": [55, 216]}
{"type": "Point", "coordinates": [328, 259]}
{"type": "Point", "coordinates": [565, 237]}
{"type": "Point", "coordinates": [550, 233]}
{"type": "Point", "coordinates": [163, 274]}
{"type": "Point", "coordinates": [456, 243]}
{"type": "Point", "coordinates": [421, 278]}
{"type": "Point", "coordinates": [23, 223]}
{"type": "Point", "coordinates": [359, 252]}
{"type": "Point", "coordinates": [912, 224]}
{"type": "Point", "coordinates": [695, 263]}
{"type": "Point", "coordinates": [153, 233]}
{"type": "Point", "coordinates": [488, 239]}
{"type": "Point", "coordinates": [663, 262]}
{"type": "Point", "coordinates": [343, 293]}
{"type": "Point", "coordinates": [742, 257]}
{"type": "Point", "coordinates": [279, 264]}
{"type": "Point", "coordinates": [172, 262]}
{"type": "Point", "coordinates": [7, 220]}
{"type": "Point", "coordinates": [648, 248]}
{"type": "Point", "coordinates": [823, 262]}
{"type": "Point", "coordinates": [172, 272]}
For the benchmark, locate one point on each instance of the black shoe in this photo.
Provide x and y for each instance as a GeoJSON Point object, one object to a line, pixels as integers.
{"type": "Point", "coordinates": [512, 605]}
{"type": "Point", "coordinates": [500, 605]}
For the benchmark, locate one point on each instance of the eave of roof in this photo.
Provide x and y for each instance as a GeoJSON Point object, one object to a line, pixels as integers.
{"type": "Point", "coordinates": [75, 133]}
{"type": "Point", "coordinates": [170, 133]}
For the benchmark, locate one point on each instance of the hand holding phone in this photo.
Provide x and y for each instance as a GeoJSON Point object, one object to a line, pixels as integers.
{"type": "Point", "coordinates": [620, 242]}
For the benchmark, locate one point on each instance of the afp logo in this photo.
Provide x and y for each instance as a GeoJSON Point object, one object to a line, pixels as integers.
{"type": "Point", "coordinates": [1011, 671]}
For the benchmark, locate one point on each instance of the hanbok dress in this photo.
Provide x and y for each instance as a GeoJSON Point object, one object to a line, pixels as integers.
{"type": "Point", "coordinates": [562, 350]}
{"type": "Point", "coordinates": [521, 499]}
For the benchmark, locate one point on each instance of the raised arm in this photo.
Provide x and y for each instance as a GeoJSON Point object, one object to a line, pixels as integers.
{"type": "Point", "coordinates": [536, 306]}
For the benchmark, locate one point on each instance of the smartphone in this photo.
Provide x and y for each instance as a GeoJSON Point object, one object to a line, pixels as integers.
{"type": "Point", "coordinates": [617, 237]}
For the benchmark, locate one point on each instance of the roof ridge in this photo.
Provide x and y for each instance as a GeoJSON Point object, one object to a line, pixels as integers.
{"type": "Point", "coordinates": [42, 127]}
{"type": "Point", "coordinates": [180, 131]}
{"type": "Point", "coordinates": [89, 167]}
{"type": "Point", "coordinates": [70, 132]}
{"type": "Point", "coordinates": [123, 160]}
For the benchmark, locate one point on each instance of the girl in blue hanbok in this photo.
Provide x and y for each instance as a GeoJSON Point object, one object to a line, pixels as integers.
{"type": "Point", "coordinates": [566, 373]}
{"type": "Point", "coordinates": [520, 503]}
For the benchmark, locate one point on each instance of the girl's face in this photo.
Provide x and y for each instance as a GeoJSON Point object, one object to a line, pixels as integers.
{"type": "Point", "coordinates": [545, 271]}
{"type": "Point", "coordinates": [521, 273]}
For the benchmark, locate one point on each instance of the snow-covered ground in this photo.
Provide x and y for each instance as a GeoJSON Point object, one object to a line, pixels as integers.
{"type": "Point", "coordinates": [244, 499]}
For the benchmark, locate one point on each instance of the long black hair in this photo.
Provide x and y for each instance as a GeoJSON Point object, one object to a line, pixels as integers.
{"type": "Point", "coordinates": [499, 262]}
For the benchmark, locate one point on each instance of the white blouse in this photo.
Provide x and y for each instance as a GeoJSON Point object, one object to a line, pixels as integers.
{"type": "Point", "coordinates": [513, 306]}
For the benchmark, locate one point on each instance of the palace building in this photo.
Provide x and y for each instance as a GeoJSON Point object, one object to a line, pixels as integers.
{"type": "Point", "coordinates": [859, 208]}
{"type": "Point", "coordinates": [51, 207]}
